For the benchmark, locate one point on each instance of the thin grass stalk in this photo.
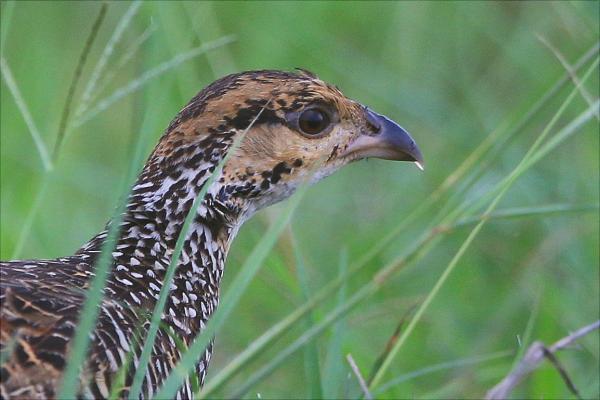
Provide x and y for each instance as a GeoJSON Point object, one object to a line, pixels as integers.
{"type": "Point", "coordinates": [182, 347]}
{"type": "Point", "coordinates": [312, 369]}
{"type": "Point", "coordinates": [426, 241]}
{"type": "Point", "coordinates": [528, 330]}
{"type": "Point", "coordinates": [120, 377]}
{"type": "Point", "coordinates": [91, 308]}
{"type": "Point", "coordinates": [359, 377]}
{"type": "Point", "coordinates": [7, 13]}
{"type": "Point", "coordinates": [42, 150]}
{"type": "Point", "coordinates": [563, 61]}
{"type": "Point", "coordinates": [20, 102]}
{"type": "Point", "coordinates": [106, 53]}
{"type": "Point", "coordinates": [64, 120]}
{"type": "Point", "coordinates": [128, 54]}
{"type": "Point", "coordinates": [94, 295]}
{"type": "Point", "coordinates": [7, 351]}
{"type": "Point", "coordinates": [563, 135]}
{"type": "Point", "coordinates": [334, 365]}
{"type": "Point", "coordinates": [528, 161]}
{"type": "Point", "coordinates": [521, 212]}
{"type": "Point", "coordinates": [388, 344]}
{"type": "Point", "coordinates": [448, 365]}
{"type": "Point", "coordinates": [149, 75]}
{"type": "Point", "coordinates": [217, 62]}
{"type": "Point", "coordinates": [138, 379]}
{"type": "Point", "coordinates": [285, 324]}
{"type": "Point", "coordinates": [28, 223]}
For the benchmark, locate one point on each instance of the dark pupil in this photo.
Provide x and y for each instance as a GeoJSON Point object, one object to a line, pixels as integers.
{"type": "Point", "coordinates": [313, 121]}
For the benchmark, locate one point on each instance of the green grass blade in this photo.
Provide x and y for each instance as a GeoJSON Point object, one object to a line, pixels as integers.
{"type": "Point", "coordinates": [182, 347]}
{"type": "Point", "coordinates": [205, 22]}
{"type": "Point", "coordinates": [563, 61]}
{"type": "Point", "coordinates": [20, 102]}
{"type": "Point", "coordinates": [569, 130]}
{"type": "Point", "coordinates": [312, 369]}
{"type": "Point", "coordinates": [106, 53]}
{"type": "Point", "coordinates": [138, 379]}
{"type": "Point", "coordinates": [527, 334]}
{"type": "Point", "coordinates": [128, 55]}
{"type": "Point", "coordinates": [521, 212]}
{"type": "Point", "coordinates": [334, 368]}
{"type": "Point", "coordinates": [7, 12]}
{"type": "Point", "coordinates": [444, 366]}
{"type": "Point", "coordinates": [120, 377]}
{"type": "Point", "coordinates": [7, 351]}
{"type": "Point", "coordinates": [28, 223]}
{"type": "Point", "coordinates": [149, 75]}
{"type": "Point", "coordinates": [42, 150]}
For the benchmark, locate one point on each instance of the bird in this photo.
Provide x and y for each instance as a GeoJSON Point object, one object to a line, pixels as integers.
{"type": "Point", "coordinates": [288, 127]}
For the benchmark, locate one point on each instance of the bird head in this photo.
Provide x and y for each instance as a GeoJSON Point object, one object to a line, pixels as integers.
{"type": "Point", "coordinates": [295, 128]}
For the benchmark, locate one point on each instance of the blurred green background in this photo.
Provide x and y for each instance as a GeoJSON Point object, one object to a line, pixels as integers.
{"type": "Point", "coordinates": [449, 72]}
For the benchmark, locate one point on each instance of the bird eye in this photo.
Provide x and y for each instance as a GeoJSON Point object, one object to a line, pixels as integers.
{"type": "Point", "coordinates": [313, 121]}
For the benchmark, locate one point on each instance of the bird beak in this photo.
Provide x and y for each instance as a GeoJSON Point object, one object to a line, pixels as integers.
{"type": "Point", "coordinates": [390, 142]}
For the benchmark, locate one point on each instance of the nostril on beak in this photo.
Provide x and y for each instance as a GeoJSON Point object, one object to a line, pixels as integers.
{"type": "Point", "coordinates": [373, 121]}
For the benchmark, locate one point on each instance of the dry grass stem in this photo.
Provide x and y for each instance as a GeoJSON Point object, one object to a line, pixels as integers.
{"type": "Point", "coordinates": [359, 377]}
{"type": "Point", "coordinates": [534, 356]}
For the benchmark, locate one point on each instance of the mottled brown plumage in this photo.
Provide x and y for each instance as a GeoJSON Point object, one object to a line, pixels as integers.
{"type": "Point", "coordinates": [305, 130]}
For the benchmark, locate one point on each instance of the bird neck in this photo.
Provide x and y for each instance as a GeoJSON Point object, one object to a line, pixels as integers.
{"type": "Point", "coordinates": [158, 204]}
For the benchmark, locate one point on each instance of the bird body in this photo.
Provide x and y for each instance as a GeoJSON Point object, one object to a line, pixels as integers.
{"type": "Point", "coordinates": [296, 128]}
